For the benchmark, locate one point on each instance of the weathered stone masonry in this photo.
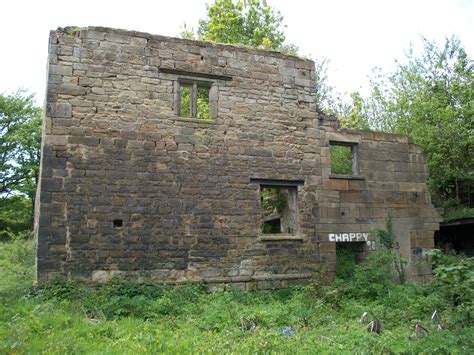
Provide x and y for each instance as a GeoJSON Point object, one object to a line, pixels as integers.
{"type": "Point", "coordinates": [130, 188]}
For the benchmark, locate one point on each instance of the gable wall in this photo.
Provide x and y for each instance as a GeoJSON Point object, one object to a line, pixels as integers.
{"type": "Point", "coordinates": [114, 148]}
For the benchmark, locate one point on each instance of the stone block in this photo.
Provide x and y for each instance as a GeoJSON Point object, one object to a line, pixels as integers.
{"type": "Point", "coordinates": [336, 184]}
{"type": "Point", "coordinates": [425, 243]}
{"type": "Point", "coordinates": [51, 184]}
{"type": "Point", "coordinates": [59, 110]}
{"type": "Point", "coordinates": [61, 69]}
{"type": "Point", "coordinates": [67, 89]}
{"type": "Point", "coordinates": [329, 247]}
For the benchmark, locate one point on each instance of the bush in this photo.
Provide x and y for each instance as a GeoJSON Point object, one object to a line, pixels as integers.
{"type": "Point", "coordinates": [373, 279]}
{"type": "Point", "coordinates": [346, 262]}
{"type": "Point", "coordinates": [16, 218]}
{"type": "Point", "coordinates": [454, 280]}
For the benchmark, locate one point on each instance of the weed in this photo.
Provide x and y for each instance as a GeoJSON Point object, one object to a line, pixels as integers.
{"type": "Point", "coordinates": [125, 317]}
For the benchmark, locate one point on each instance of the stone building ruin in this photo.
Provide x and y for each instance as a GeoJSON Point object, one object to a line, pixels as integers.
{"type": "Point", "coordinates": [173, 160]}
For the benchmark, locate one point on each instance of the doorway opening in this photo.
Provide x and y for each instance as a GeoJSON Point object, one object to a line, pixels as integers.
{"type": "Point", "coordinates": [348, 255]}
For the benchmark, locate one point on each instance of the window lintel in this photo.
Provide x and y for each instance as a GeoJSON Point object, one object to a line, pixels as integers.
{"type": "Point", "coordinates": [276, 183]}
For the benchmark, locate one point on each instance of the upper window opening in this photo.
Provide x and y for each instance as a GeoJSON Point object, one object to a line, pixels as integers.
{"type": "Point", "coordinates": [194, 100]}
{"type": "Point", "coordinates": [202, 106]}
{"type": "Point", "coordinates": [185, 102]}
{"type": "Point", "coordinates": [343, 158]}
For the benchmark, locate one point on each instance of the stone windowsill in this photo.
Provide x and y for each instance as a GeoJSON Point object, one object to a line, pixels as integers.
{"type": "Point", "coordinates": [279, 237]}
{"type": "Point", "coordinates": [194, 120]}
{"type": "Point", "coordinates": [347, 177]}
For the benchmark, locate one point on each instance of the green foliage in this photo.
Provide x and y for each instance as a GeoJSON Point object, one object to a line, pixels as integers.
{"type": "Point", "coordinates": [201, 109]}
{"type": "Point", "coordinates": [341, 159]}
{"type": "Point", "coordinates": [187, 32]}
{"type": "Point", "coordinates": [273, 200]}
{"type": "Point", "coordinates": [386, 236]}
{"type": "Point", "coordinates": [451, 213]}
{"type": "Point", "coordinates": [325, 101]}
{"type": "Point", "coordinates": [329, 101]}
{"type": "Point", "coordinates": [430, 97]}
{"type": "Point", "coordinates": [346, 261]}
{"type": "Point", "coordinates": [15, 217]}
{"type": "Point", "coordinates": [202, 103]}
{"type": "Point", "coordinates": [125, 317]}
{"type": "Point", "coordinates": [16, 268]}
{"type": "Point", "coordinates": [353, 116]}
{"type": "Point", "coordinates": [20, 139]}
{"type": "Point", "coordinates": [373, 279]}
{"type": "Point", "coordinates": [185, 101]}
{"type": "Point", "coordinates": [251, 23]}
{"type": "Point", "coordinates": [454, 277]}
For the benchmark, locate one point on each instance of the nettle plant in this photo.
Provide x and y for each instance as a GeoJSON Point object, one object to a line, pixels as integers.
{"type": "Point", "coordinates": [454, 277]}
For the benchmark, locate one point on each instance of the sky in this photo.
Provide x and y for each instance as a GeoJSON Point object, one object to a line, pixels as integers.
{"type": "Point", "coordinates": [354, 35]}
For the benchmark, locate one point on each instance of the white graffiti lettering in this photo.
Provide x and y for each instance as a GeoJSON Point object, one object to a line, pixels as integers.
{"type": "Point", "coordinates": [348, 237]}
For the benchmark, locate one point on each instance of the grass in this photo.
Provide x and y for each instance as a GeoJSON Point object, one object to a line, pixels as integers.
{"type": "Point", "coordinates": [125, 317]}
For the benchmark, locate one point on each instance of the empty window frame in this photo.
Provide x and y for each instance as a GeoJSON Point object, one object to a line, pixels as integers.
{"type": "Point", "coordinates": [278, 207]}
{"type": "Point", "coordinates": [193, 99]}
{"type": "Point", "coordinates": [343, 158]}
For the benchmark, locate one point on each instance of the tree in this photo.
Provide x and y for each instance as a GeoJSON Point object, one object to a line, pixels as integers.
{"type": "Point", "coordinates": [352, 115]}
{"type": "Point", "coordinates": [249, 22]}
{"type": "Point", "coordinates": [332, 102]}
{"type": "Point", "coordinates": [20, 140]}
{"type": "Point", "coordinates": [324, 92]}
{"type": "Point", "coordinates": [431, 98]}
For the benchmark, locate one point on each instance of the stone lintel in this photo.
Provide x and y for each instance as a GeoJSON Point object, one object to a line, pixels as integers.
{"type": "Point", "coordinates": [195, 74]}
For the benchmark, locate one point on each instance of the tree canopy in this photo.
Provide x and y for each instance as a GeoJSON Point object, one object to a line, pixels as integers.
{"type": "Point", "coordinates": [430, 97]}
{"type": "Point", "coordinates": [249, 22]}
{"type": "Point", "coordinates": [20, 140]}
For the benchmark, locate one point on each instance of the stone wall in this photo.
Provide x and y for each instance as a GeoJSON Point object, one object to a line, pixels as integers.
{"type": "Point", "coordinates": [392, 180]}
{"type": "Point", "coordinates": [130, 188]}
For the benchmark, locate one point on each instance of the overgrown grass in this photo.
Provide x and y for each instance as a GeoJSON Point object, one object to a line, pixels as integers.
{"type": "Point", "coordinates": [124, 317]}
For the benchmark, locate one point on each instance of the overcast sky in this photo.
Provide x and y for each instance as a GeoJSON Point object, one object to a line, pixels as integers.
{"type": "Point", "coordinates": [356, 35]}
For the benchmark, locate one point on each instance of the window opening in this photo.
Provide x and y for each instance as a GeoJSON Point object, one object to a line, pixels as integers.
{"type": "Point", "coordinates": [185, 102]}
{"type": "Point", "coordinates": [278, 206]}
{"type": "Point", "coordinates": [202, 103]}
{"type": "Point", "coordinates": [343, 158]}
{"type": "Point", "coordinates": [194, 100]}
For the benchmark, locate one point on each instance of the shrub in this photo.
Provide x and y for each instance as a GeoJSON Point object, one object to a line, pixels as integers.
{"type": "Point", "coordinates": [372, 279]}
{"type": "Point", "coordinates": [346, 263]}
{"type": "Point", "coordinates": [15, 218]}
{"type": "Point", "coordinates": [454, 279]}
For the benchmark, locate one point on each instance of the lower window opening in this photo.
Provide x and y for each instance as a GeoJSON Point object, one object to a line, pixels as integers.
{"type": "Point", "coordinates": [278, 210]}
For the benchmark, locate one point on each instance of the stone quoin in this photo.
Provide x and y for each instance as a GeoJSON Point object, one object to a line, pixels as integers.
{"type": "Point", "coordinates": [160, 157]}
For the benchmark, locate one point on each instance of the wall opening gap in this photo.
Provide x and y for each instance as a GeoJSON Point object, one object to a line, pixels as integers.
{"type": "Point", "coordinates": [278, 208]}
{"type": "Point", "coordinates": [348, 255]}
